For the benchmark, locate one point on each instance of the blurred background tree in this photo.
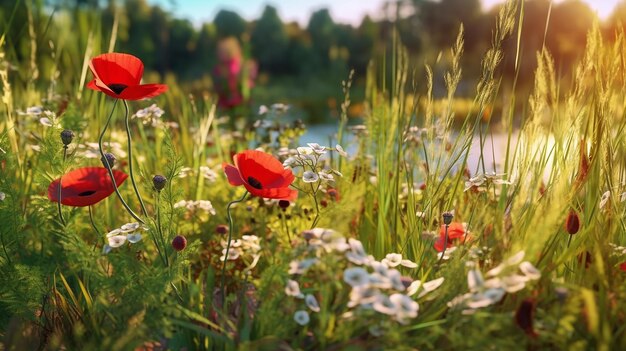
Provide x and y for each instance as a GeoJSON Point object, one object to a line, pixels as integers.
{"type": "Point", "coordinates": [302, 65]}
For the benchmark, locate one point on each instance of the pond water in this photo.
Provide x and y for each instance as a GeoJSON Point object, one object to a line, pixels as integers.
{"type": "Point", "coordinates": [494, 148]}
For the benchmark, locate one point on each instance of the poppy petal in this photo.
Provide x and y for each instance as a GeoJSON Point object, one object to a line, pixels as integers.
{"type": "Point", "coordinates": [275, 193]}
{"type": "Point", "coordinates": [117, 68]}
{"type": "Point", "coordinates": [145, 91]}
{"type": "Point", "coordinates": [98, 85]}
{"type": "Point", "coordinates": [262, 167]}
{"type": "Point", "coordinates": [85, 186]}
{"type": "Point", "coordinates": [232, 173]}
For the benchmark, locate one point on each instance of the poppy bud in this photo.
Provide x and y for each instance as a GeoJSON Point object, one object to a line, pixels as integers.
{"type": "Point", "coordinates": [179, 243]}
{"type": "Point", "coordinates": [159, 182]}
{"type": "Point", "coordinates": [67, 136]}
{"type": "Point", "coordinates": [221, 229]}
{"type": "Point", "coordinates": [324, 203]}
{"type": "Point", "coordinates": [110, 159]}
{"type": "Point", "coordinates": [447, 218]}
{"type": "Point", "coordinates": [572, 222]}
{"type": "Point", "coordinates": [283, 204]}
{"type": "Point", "coordinates": [334, 194]}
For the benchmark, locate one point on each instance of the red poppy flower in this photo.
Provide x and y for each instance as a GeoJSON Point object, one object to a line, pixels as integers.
{"type": "Point", "coordinates": [119, 76]}
{"type": "Point", "coordinates": [456, 232]}
{"type": "Point", "coordinates": [622, 266]}
{"type": "Point", "coordinates": [85, 186]}
{"type": "Point", "coordinates": [261, 174]}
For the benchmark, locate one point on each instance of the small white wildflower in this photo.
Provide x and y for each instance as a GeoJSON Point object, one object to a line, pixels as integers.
{"type": "Point", "coordinates": [312, 303]}
{"type": "Point", "coordinates": [515, 259]}
{"type": "Point", "coordinates": [514, 282]}
{"type": "Point", "coordinates": [2, 196]}
{"type": "Point", "coordinates": [356, 276]}
{"type": "Point", "coordinates": [431, 286]}
{"type": "Point", "coordinates": [208, 174]}
{"type": "Point", "coordinates": [233, 254]}
{"type": "Point", "coordinates": [406, 308]}
{"type": "Point", "coordinates": [357, 254]}
{"type": "Point", "coordinates": [133, 238]}
{"type": "Point", "coordinates": [317, 148]}
{"type": "Point", "coordinates": [301, 317]}
{"type": "Point", "coordinates": [394, 259]}
{"type": "Point", "coordinates": [605, 199]}
{"type": "Point", "coordinates": [280, 108]}
{"type": "Point", "coordinates": [384, 305]}
{"type": "Point", "coordinates": [303, 150]}
{"type": "Point", "coordinates": [117, 240]}
{"type": "Point", "coordinates": [130, 227]}
{"type": "Point", "coordinates": [290, 162]}
{"type": "Point", "coordinates": [363, 296]}
{"type": "Point", "coordinates": [341, 151]}
{"type": "Point", "coordinates": [529, 270]}
{"type": "Point", "coordinates": [299, 267]}
{"type": "Point", "coordinates": [474, 280]}
{"type": "Point", "coordinates": [325, 176]}
{"type": "Point", "coordinates": [45, 121]}
{"type": "Point", "coordinates": [293, 289]}
{"type": "Point", "coordinates": [310, 177]}
{"type": "Point", "coordinates": [106, 249]}
{"type": "Point", "coordinates": [263, 110]}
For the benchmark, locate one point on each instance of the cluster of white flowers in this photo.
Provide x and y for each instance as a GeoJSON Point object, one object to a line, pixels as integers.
{"type": "Point", "coordinates": [206, 172]}
{"type": "Point", "coordinates": [92, 150]}
{"type": "Point", "coordinates": [249, 247]}
{"type": "Point", "coordinates": [479, 181]}
{"type": "Point", "coordinates": [375, 285]}
{"type": "Point", "coordinates": [150, 115]}
{"type": "Point", "coordinates": [130, 232]}
{"type": "Point", "coordinates": [45, 117]}
{"type": "Point", "coordinates": [414, 134]}
{"type": "Point", "coordinates": [358, 130]}
{"type": "Point", "coordinates": [277, 108]}
{"type": "Point", "coordinates": [197, 205]}
{"type": "Point", "coordinates": [2, 196]}
{"type": "Point", "coordinates": [618, 250]}
{"type": "Point", "coordinates": [502, 279]}
{"type": "Point", "coordinates": [308, 158]}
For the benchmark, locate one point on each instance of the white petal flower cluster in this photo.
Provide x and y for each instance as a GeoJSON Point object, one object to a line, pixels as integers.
{"type": "Point", "coordinates": [508, 277]}
{"type": "Point", "coordinates": [92, 150]}
{"type": "Point", "coordinates": [129, 232]}
{"type": "Point", "coordinates": [206, 172]}
{"type": "Point", "coordinates": [150, 116]}
{"type": "Point", "coordinates": [376, 286]}
{"type": "Point", "coordinates": [196, 205]}
{"type": "Point", "coordinates": [247, 248]}
{"type": "Point", "coordinates": [480, 181]}
{"type": "Point", "coordinates": [309, 158]}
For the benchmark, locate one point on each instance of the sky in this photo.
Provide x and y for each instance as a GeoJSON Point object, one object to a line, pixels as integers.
{"type": "Point", "coordinates": [342, 11]}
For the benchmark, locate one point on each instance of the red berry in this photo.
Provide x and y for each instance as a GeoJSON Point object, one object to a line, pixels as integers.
{"type": "Point", "coordinates": [572, 223]}
{"type": "Point", "coordinates": [179, 243]}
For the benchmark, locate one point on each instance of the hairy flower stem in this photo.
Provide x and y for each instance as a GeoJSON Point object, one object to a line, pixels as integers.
{"type": "Point", "coordinates": [117, 192]}
{"type": "Point", "coordinates": [60, 179]}
{"type": "Point", "coordinates": [317, 205]}
{"type": "Point", "coordinates": [130, 159]}
{"type": "Point", "coordinates": [445, 245]}
{"type": "Point", "coordinates": [230, 236]}
{"type": "Point", "coordinates": [158, 245]}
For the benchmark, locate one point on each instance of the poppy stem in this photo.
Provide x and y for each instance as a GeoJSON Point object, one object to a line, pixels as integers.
{"type": "Point", "coordinates": [60, 179]}
{"type": "Point", "coordinates": [130, 160]}
{"type": "Point", "coordinates": [230, 236]}
{"type": "Point", "coordinates": [117, 192]}
{"type": "Point", "coordinates": [445, 245]}
{"type": "Point", "coordinates": [93, 225]}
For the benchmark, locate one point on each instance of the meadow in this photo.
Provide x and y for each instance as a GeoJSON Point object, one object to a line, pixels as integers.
{"type": "Point", "coordinates": [224, 232]}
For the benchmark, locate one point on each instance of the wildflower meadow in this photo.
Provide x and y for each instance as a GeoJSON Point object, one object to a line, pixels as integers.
{"type": "Point", "coordinates": [135, 215]}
